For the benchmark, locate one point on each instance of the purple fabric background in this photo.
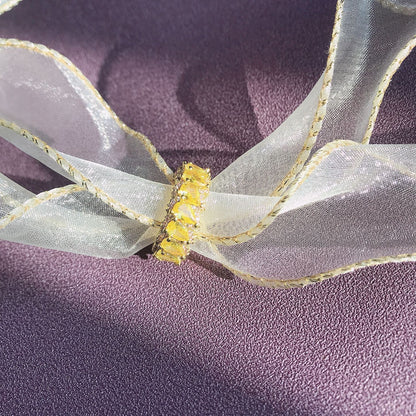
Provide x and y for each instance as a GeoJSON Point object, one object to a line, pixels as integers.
{"type": "Point", "coordinates": [205, 81]}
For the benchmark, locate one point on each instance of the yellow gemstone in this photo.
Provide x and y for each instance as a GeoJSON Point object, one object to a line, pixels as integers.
{"type": "Point", "coordinates": [163, 256]}
{"type": "Point", "coordinates": [196, 174]}
{"type": "Point", "coordinates": [194, 194]}
{"type": "Point", "coordinates": [184, 212]}
{"type": "Point", "coordinates": [173, 248]}
{"type": "Point", "coordinates": [178, 231]}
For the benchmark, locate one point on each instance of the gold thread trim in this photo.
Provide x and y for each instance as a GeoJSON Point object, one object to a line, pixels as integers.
{"type": "Point", "coordinates": [316, 278]}
{"type": "Point", "coordinates": [56, 56]}
{"type": "Point", "coordinates": [320, 110]}
{"type": "Point", "coordinates": [391, 70]}
{"type": "Point", "coordinates": [300, 163]}
{"type": "Point", "coordinates": [26, 206]}
{"type": "Point", "coordinates": [307, 280]}
{"type": "Point", "coordinates": [315, 161]}
{"type": "Point", "coordinates": [306, 149]}
{"type": "Point", "coordinates": [78, 177]}
{"type": "Point", "coordinates": [313, 132]}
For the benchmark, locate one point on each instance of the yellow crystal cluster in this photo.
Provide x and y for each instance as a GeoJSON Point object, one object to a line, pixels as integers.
{"type": "Point", "coordinates": [188, 198]}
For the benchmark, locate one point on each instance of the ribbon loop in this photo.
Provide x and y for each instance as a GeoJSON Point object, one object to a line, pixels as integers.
{"type": "Point", "coordinates": [310, 201]}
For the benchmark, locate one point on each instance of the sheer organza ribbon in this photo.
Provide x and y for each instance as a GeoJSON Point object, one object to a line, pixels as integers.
{"type": "Point", "coordinates": [311, 201]}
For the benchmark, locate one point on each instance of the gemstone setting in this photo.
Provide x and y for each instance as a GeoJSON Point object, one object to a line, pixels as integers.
{"type": "Point", "coordinates": [189, 195]}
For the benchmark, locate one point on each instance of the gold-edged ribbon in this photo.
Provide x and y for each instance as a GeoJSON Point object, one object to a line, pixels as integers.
{"type": "Point", "coordinates": [296, 209]}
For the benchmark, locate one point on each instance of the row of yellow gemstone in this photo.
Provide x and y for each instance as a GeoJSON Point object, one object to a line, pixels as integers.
{"type": "Point", "coordinates": [191, 192]}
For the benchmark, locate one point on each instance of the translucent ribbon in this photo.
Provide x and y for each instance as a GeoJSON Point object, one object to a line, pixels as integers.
{"type": "Point", "coordinates": [6, 5]}
{"type": "Point", "coordinates": [312, 200]}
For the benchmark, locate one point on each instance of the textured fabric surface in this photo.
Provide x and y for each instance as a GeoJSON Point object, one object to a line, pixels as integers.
{"type": "Point", "coordinates": [205, 81]}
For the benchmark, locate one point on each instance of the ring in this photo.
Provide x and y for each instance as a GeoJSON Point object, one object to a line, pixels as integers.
{"type": "Point", "coordinates": [177, 231]}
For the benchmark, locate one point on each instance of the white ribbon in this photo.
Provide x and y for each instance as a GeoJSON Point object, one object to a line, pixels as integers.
{"type": "Point", "coordinates": [310, 201]}
{"type": "Point", "coordinates": [6, 5]}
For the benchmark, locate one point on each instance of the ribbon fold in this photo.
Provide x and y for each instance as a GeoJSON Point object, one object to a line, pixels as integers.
{"type": "Point", "coordinates": [311, 201]}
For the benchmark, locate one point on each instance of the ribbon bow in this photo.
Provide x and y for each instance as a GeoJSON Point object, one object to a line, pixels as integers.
{"type": "Point", "coordinates": [312, 200]}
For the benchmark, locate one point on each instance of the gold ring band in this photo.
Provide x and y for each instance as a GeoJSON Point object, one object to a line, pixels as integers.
{"type": "Point", "coordinates": [189, 195]}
